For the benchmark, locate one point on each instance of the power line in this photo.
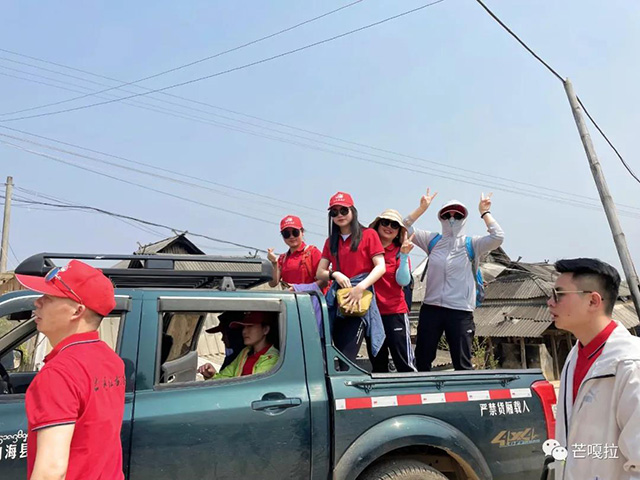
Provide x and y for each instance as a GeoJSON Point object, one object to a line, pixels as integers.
{"type": "Point", "coordinates": [608, 141]}
{"type": "Point", "coordinates": [180, 67]}
{"type": "Point", "coordinates": [234, 69]}
{"type": "Point", "coordinates": [136, 170]}
{"type": "Point", "coordinates": [144, 222]}
{"type": "Point", "coordinates": [235, 128]}
{"type": "Point", "coordinates": [557, 75]}
{"type": "Point", "coordinates": [196, 202]}
{"type": "Point", "coordinates": [457, 178]}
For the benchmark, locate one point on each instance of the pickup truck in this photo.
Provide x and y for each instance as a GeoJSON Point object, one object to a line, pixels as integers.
{"type": "Point", "coordinates": [315, 415]}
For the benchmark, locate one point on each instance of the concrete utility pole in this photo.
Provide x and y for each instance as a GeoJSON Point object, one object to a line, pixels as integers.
{"type": "Point", "coordinates": [606, 198]}
{"type": "Point", "coordinates": [4, 253]}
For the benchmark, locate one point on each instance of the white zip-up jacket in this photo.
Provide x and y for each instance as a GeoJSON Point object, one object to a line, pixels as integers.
{"type": "Point", "coordinates": [451, 279]}
{"type": "Point", "coordinates": [606, 412]}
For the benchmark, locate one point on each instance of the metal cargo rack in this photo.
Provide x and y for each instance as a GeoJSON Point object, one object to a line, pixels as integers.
{"type": "Point", "coordinates": [163, 270]}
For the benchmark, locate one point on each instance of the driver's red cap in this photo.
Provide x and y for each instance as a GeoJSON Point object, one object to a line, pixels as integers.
{"type": "Point", "coordinates": [78, 281]}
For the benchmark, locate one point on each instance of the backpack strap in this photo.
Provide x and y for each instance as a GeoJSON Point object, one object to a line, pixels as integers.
{"type": "Point", "coordinates": [468, 242]}
{"type": "Point", "coordinates": [433, 243]}
{"type": "Point", "coordinates": [430, 248]}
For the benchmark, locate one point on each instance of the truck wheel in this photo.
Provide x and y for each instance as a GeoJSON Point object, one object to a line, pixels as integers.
{"type": "Point", "coordinates": [402, 470]}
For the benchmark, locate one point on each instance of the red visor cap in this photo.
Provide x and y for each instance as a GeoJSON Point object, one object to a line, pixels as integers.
{"type": "Point", "coordinates": [94, 289]}
{"type": "Point", "coordinates": [453, 209]}
{"type": "Point", "coordinates": [340, 199]}
{"type": "Point", "coordinates": [290, 221]}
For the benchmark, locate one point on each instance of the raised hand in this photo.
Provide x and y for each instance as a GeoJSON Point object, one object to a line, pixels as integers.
{"type": "Point", "coordinates": [485, 203]}
{"type": "Point", "coordinates": [271, 256]}
{"type": "Point", "coordinates": [407, 243]}
{"type": "Point", "coordinates": [426, 200]}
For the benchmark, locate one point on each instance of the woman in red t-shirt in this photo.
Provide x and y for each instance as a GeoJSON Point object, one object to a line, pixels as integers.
{"type": "Point", "coordinates": [390, 295]}
{"type": "Point", "coordinates": [350, 250]}
{"type": "Point", "coordinates": [300, 263]}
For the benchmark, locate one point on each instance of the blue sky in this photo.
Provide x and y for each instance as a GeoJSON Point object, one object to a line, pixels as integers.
{"type": "Point", "coordinates": [445, 85]}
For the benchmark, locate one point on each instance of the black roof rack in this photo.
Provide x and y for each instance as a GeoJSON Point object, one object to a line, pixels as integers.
{"type": "Point", "coordinates": [164, 270]}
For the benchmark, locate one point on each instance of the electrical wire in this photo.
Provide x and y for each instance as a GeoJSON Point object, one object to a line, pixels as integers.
{"type": "Point", "coordinates": [230, 70]}
{"type": "Point", "coordinates": [179, 197]}
{"type": "Point", "coordinates": [173, 113]}
{"type": "Point", "coordinates": [559, 77]}
{"type": "Point", "coordinates": [142, 221]}
{"type": "Point", "coordinates": [190, 64]}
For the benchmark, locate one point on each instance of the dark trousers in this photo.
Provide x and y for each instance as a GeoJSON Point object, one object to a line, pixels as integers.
{"type": "Point", "coordinates": [348, 334]}
{"type": "Point", "coordinates": [398, 342]}
{"type": "Point", "coordinates": [457, 326]}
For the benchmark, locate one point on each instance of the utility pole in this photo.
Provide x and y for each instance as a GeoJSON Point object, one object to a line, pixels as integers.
{"type": "Point", "coordinates": [4, 253]}
{"type": "Point", "coordinates": [606, 198]}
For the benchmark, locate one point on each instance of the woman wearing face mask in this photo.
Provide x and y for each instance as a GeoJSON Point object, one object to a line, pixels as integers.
{"type": "Point", "coordinates": [353, 257]}
{"type": "Point", "coordinates": [450, 296]}
{"type": "Point", "coordinates": [300, 263]}
{"type": "Point", "coordinates": [390, 294]}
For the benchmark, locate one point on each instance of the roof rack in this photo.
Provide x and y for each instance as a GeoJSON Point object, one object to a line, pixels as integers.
{"type": "Point", "coordinates": [164, 270]}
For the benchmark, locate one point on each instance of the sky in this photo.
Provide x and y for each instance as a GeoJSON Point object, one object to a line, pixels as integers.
{"type": "Point", "coordinates": [442, 98]}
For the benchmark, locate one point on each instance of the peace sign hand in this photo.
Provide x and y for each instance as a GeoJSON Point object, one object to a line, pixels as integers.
{"type": "Point", "coordinates": [485, 203]}
{"type": "Point", "coordinates": [426, 200]}
{"type": "Point", "coordinates": [407, 244]}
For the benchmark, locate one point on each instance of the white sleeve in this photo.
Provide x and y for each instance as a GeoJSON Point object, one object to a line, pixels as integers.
{"type": "Point", "coordinates": [422, 238]}
{"type": "Point", "coordinates": [489, 242]}
{"type": "Point", "coordinates": [628, 415]}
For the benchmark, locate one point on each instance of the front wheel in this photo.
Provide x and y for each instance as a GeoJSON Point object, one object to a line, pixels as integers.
{"type": "Point", "coordinates": [402, 470]}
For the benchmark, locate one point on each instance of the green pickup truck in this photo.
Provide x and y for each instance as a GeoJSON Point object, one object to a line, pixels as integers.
{"type": "Point", "coordinates": [315, 415]}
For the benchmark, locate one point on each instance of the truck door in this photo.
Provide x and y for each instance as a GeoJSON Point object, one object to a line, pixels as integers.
{"type": "Point", "coordinates": [248, 426]}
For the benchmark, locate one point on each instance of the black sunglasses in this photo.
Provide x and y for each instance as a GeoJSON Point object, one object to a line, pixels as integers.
{"type": "Point", "coordinates": [286, 233]}
{"type": "Point", "coordinates": [385, 222]}
{"type": "Point", "coordinates": [334, 212]}
{"type": "Point", "coordinates": [447, 216]}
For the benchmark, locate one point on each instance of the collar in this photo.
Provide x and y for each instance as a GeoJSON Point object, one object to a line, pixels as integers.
{"type": "Point", "coordinates": [261, 352]}
{"type": "Point", "coordinates": [598, 342]}
{"type": "Point", "coordinates": [75, 339]}
{"type": "Point", "coordinates": [299, 250]}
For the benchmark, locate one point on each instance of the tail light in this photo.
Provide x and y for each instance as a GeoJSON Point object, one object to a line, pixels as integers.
{"type": "Point", "coordinates": [547, 394]}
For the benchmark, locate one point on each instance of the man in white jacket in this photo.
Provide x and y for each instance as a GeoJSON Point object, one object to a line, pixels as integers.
{"type": "Point", "coordinates": [450, 296]}
{"type": "Point", "coordinates": [598, 410]}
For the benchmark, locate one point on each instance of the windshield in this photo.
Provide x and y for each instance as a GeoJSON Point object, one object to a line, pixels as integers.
{"type": "Point", "coordinates": [14, 313]}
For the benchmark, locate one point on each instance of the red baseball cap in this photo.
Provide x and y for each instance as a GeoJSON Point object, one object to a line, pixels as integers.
{"type": "Point", "coordinates": [290, 221]}
{"type": "Point", "coordinates": [341, 199]}
{"type": "Point", "coordinates": [454, 208]}
{"type": "Point", "coordinates": [77, 281]}
{"type": "Point", "coordinates": [252, 318]}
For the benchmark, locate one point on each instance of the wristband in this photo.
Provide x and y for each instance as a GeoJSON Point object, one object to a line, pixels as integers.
{"type": "Point", "coordinates": [331, 272]}
{"type": "Point", "coordinates": [482, 216]}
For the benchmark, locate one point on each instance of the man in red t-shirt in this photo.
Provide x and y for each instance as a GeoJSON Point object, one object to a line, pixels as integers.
{"type": "Point", "coordinates": [75, 404]}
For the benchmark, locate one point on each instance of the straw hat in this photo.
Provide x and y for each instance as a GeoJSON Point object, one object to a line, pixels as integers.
{"type": "Point", "coordinates": [393, 215]}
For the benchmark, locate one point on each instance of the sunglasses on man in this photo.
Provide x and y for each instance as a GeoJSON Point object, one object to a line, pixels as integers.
{"type": "Point", "coordinates": [385, 222]}
{"type": "Point", "coordinates": [288, 232]}
{"type": "Point", "coordinates": [54, 274]}
{"type": "Point", "coordinates": [555, 293]}
{"type": "Point", "coordinates": [448, 215]}
{"type": "Point", "coordinates": [343, 211]}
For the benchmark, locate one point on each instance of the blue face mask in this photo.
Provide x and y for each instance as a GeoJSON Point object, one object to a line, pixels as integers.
{"type": "Point", "coordinates": [452, 222]}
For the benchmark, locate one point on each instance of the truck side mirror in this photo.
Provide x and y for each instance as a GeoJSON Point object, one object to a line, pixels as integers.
{"type": "Point", "coordinates": [13, 360]}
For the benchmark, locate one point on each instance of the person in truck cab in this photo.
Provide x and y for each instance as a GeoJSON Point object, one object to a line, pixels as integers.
{"type": "Point", "coordinates": [451, 290]}
{"type": "Point", "coordinates": [231, 338]}
{"type": "Point", "coordinates": [599, 398]}
{"type": "Point", "coordinates": [300, 263]}
{"type": "Point", "coordinates": [75, 404]}
{"type": "Point", "coordinates": [259, 354]}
